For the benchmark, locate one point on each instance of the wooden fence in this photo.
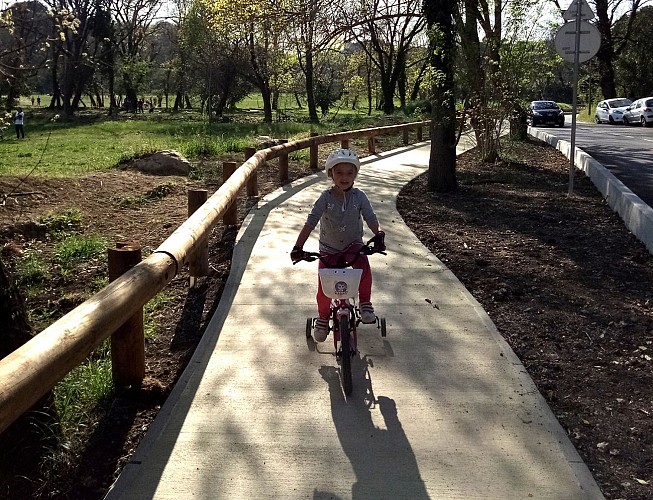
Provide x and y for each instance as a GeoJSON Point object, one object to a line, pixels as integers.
{"type": "Point", "coordinates": [117, 310]}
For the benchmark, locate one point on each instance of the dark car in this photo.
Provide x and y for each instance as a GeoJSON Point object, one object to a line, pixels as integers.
{"type": "Point", "coordinates": [545, 113]}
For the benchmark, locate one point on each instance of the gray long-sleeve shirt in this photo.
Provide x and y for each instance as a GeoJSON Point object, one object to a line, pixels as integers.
{"type": "Point", "coordinates": [341, 222]}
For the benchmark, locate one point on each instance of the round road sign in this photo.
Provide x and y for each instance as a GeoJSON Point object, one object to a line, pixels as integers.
{"type": "Point", "coordinates": [589, 44]}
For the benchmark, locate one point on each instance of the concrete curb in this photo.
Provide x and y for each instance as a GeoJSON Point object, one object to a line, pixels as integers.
{"type": "Point", "coordinates": [636, 214]}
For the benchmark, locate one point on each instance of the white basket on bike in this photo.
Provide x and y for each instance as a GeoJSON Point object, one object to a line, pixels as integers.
{"type": "Point", "coordinates": [340, 283]}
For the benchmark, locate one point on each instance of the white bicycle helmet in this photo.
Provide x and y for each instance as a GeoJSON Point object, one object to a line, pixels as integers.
{"type": "Point", "coordinates": [342, 156]}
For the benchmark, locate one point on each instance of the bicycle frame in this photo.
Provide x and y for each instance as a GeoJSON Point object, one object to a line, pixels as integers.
{"type": "Point", "coordinates": [340, 283]}
{"type": "Point", "coordinates": [342, 310]}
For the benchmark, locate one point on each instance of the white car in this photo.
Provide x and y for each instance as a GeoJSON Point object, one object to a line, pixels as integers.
{"type": "Point", "coordinates": [611, 110]}
{"type": "Point", "coordinates": [641, 111]}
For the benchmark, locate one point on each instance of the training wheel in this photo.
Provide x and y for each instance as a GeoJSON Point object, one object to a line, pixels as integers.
{"type": "Point", "coordinates": [383, 327]}
{"type": "Point", "coordinates": [309, 327]}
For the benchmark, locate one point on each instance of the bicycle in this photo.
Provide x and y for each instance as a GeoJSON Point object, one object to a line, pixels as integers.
{"type": "Point", "coordinates": [340, 283]}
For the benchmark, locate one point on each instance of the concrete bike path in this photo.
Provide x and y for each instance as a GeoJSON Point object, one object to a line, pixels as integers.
{"type": "Point", "coordinates": [441, 408]}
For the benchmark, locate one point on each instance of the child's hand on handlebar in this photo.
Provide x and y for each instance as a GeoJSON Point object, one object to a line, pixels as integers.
{"type": "Point", "coordinates": [378, 242]}
{"type": "Point", "coordinates": [297, 255]}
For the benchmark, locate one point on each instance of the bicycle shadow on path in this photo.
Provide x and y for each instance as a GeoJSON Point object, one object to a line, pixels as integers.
{"type": "Point", "coordinates": [382, 459]}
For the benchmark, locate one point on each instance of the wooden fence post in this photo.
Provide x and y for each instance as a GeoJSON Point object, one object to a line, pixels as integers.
{"type": "Point", "coordinates": [128, 341]}
{"type": "Point", "coordinates": [371, 144]}
{"type": "Point", "coordinates": [230, 216]}
{"type": "Point", "coordinates": [419, 133]}
{"type": "Point", "coordinates": [283, 163]}
{"type": "Point", "coordinates": [344, 144]}
{"type": "Point", "coordinates": [313, 149]}
{"type": "Point", "coordinates": [198, 264]}
{"type": "Point", "coordinates": [405, 137]}
{"type": "Point", "coordinates": [252, 182]}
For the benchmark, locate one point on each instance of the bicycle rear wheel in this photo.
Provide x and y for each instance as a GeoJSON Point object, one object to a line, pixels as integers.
{"type": "Point", "coordinates": [345, 358]}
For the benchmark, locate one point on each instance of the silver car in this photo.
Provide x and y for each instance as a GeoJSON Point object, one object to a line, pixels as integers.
{"type": "Point", "coordinates": [611, 110]}
{"type": "Point", "coordinates": [641, 111]}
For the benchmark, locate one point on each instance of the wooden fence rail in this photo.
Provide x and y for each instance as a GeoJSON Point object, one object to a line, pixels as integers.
{"type": "Point", "coordinates": [36, 367]}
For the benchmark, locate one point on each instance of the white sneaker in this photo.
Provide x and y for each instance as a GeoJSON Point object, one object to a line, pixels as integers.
{"type": "Point", "coordinates": [367, 313]}
{"type": "Point", "coordinates": [321, 330]}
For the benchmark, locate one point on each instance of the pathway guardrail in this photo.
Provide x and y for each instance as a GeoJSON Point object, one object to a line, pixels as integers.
{"type": "Point", "coordinates": [32, 370]}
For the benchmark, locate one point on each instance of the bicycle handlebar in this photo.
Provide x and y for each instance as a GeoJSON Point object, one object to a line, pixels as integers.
{"type": "Point", "coordinates": [341, 262]}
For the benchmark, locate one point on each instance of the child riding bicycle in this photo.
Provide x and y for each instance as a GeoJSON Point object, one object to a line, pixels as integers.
{"type": "Point", "coordinates": [340, 210]}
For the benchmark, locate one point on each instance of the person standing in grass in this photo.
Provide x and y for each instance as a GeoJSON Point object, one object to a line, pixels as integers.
{"type": "Point", "coordinates": [19, 120]}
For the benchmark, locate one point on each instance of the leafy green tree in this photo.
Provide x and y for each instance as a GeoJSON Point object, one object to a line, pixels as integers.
{"type": "Point", "coordinates": [329, 82]}
{"type": "Point", "coordinates": [633, 72]}
{"type": "Point", "coordinates": [257, 27]}
{"type": "Point", "coordinates": [214, 61]}
{"type": "Point", "coordinates": [613, 42]}
{"type": "Point", "coordinates": [73, 65]}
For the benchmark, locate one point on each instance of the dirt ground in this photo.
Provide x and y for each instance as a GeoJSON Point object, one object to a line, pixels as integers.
{"type": "Point", "coordinates": [566, 284]}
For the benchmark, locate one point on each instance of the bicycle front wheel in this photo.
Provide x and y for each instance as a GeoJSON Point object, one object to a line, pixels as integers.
{"type": "Point", "coordinates": [345, 358]}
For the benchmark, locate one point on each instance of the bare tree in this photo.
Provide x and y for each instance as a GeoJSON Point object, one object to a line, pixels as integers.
{"type": "Point", "coordinates": [385, 29]}
{"type": "Point", "coordinates": [133, 26]}
{"type": "Point", "coordinates": [24, 30]}
{"type": "Point", "coordinates": [313, 29]}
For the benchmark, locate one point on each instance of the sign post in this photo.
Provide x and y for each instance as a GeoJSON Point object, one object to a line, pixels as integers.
{"type": "Point", "coordinates": [577, 41]}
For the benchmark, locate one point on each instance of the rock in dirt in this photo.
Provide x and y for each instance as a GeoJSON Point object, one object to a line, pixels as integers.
{"type": "Point", "coordinates": [168, 162]}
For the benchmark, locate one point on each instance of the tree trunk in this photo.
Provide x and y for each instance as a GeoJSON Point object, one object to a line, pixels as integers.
{"type": "Point", "coordinates": [266, 95]}
{"type": "Point", "coordinates": [179, 102]}
{"type": "Point", "coordinates": [368, 81]}
{"type": "Point", "coordinates": [471, 51]}
{"type": "Point", "coordinates": [401, 85]}
{"type": "Point", "coordinates": [23, 443]}
{"type": "Point", "coordinates": [605, 55]}
{"type": "Point", "coordinates": [112, 96]}
{"type": "Point", "coordinates": [388, 92]}
{"type": "Point", "coordinates": [518, 126]}
{"type": "Point", "coordinates": [310, 88]}
{"type": "Point", "coordinates": [442, 162]}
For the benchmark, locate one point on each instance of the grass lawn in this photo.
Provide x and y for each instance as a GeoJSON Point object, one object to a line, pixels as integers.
{"type": "Point", "coordinates": [92, 142]}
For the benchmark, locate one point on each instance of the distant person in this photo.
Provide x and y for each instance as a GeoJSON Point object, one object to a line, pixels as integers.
{"type": "Point", "coordinates": [38, 100]}
{"type": "Point", "coordinates": [19, 121]}
{"type": "Point", "coordinates": [32, 100]}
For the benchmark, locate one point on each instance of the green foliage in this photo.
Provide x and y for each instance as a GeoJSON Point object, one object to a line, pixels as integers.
{"type": "Point", "coordinates": [215, 146]}
{"type": "Point", "coordinates": [416, 109]}
{"type": "Point", "coordinates": [79, 393]}
{"type": "Point", "coordinates": [155, 194]}
{"type": "Point", "coordinates": [301, 155]}
{"type": "Point", "coordinates": [633, 71]}
{"type": "Point", "coordinates": [66, 221]}
{"type": "Point", "coordinates": [31, 270]}
{"type": "Point", "coordinates": [151, 312]}
{"type": "Point", "coordinates": [78, 248]}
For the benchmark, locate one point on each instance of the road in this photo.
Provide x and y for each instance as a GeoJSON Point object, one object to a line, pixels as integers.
{"type": "Point", "coordinates": [626, 151]}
